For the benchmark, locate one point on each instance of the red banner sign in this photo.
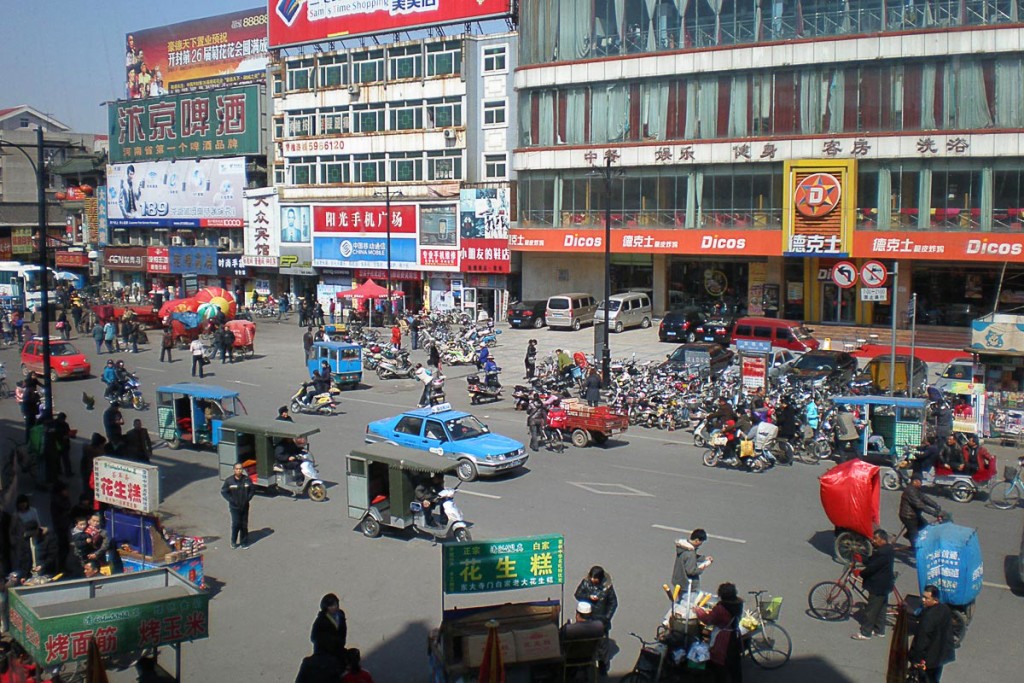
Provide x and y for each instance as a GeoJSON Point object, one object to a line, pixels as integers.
{"type": "Point", "coordinates": [158, 260]}
{"type": "Point", "coordinates": [364, 218]}
{"type": "Point", "coordinates": [5, 249]}
{"type": "Point", "coordinates": [485, 256]}
{"type": "Point", "coordinates": [439, 258]}
{"type": "Point", "coordinates": [724, 243]}
{"type": "Point", "coordinates": [294, 22]}
{"type": "Point", "coordinates": [940, 246]}
{"type": "Point", "coordinates": [71, 259]}
{"type": "Point", "coordinates": [380, 274]}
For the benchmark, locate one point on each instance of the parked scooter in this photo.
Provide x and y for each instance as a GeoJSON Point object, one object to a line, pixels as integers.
{"type": "Point", "coordinates": [435, 392]}
{"type": "Point", "coordinates": [396, 368]}
{"type": "Point", "coordinates": [303, 401]}
{"type": "Point", "coordinates": [451, 517]}
{"type": "Point", "coordinates": [307, 482]}
{"type": "Point", "coordinates": [482, 390]}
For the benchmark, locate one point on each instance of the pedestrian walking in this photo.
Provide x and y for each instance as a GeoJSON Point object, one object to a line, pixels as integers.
{"type": "Point", "coordinates": [331, 307]}
{"type": "Point", "coordinates": [133, 334]}
{"type": "Point", "coordinates": [330, 631]}
{"type": "Point", "coordinates": [592, 387]}
{"type": "Point", "coordinates": [227, 345]}
{"type": "Point", "coordinates": [531, 359]}
{"type": "Point", "coordinates": [109, 335]}
{"type": "Point", "coordinates": [113, 421]}
{"type": "Point", "coordinates": [76, 317]}
{"type": "Point", "coordinates": [878, 578]}
{"type": "Point", "coordinates": [689, 564]}
{"type": "Point", "coordinates": [536, 416]}
{"type": "Point", "coordinates": [167, 344]}
{"type": "Point", "coordinates": [97, 336]}
{"type": "Point", "coordinates": [63, 326]}
{"type": "Point", "coordinates": [62, 439]}
{"type": "Point", "coordinates": [30, 405]}
{"type": "Point", "coordinates": [433, 356]}
{"type": "Point", "coordinates": [396, 336]}
{"type": "Point", "coordinates": [423, 375]}
{"type": "Point", "coordinates": [932, 647]}
{"type": "Point", "coordinates": [414, 332]}
{"type": "Point", "coordinates": [238, 491]}
{"type": "Point", "coordinates": [198, 356]}
{"type": "Point", "coordinates": [307, 345]}
{"type": "Point", "coordinates": [596, 588]}
{"type": "Point", "coordinates": [138, 445]}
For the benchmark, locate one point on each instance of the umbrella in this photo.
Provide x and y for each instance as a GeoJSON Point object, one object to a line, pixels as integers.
{"type": "Point", "coordinates": [64, 275]}
{"type": "Point", "coordinates": [369, 290]}
{"type": "Point", "coordinates": [492, 667]}
{"type": "Point", "coordinates": [221, 298]}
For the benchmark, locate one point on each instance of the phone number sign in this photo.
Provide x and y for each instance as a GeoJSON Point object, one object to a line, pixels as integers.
{"type": "Point", "coordinates": [503, 564]}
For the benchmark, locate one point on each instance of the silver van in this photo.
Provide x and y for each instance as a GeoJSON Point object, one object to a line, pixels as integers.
{"type": "Point", "coordinates": [570, 310]}
{"type": "Point", "coordinates": [631, 309]}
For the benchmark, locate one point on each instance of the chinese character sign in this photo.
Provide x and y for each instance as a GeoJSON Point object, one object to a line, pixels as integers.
{"type": "Point", "coordinates": [213, 52]}
{"type": "Point", "coordinates": [186, 126]}
{"type": "Point", "coordinates": [126, 484]}
{"type": "Point", "coordinates": [206, 193]}
{"type": "Point", "coordinates": [262, 229]}
{"type": "Point", "coordinates": [484, 230]}
{"type": "Point", "coordinates": [503, 564]}
{"type": "Point", "coordinates": [438, 242]}
{"type": "Point", "coordinates": [819, 207]}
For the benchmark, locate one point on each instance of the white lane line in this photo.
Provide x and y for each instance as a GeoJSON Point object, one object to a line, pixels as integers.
{"type": "Point", "coordinates": [139, 367]}
{"type": "Point", "coordinates": [602, 489]}
{"type": "Point", "coordinates": [686, 531]}
{"type": "Point", "coordinates": [680, 474]}
{"type": "Point", "coordinates": [1000, 586]}
{"type": "Point", "coordinates": [248, 384]}
{"type": "Point", "coordinates": [481, 495]}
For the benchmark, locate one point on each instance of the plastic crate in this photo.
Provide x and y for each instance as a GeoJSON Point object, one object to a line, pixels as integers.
{"type": "Point", "coordinates": [770, 608]}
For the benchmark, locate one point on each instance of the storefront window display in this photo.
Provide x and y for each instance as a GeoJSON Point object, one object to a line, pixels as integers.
{"type": "Point", "coordinates": [632, 272]}
{"type": "Point", "coordinates": [954, 295]}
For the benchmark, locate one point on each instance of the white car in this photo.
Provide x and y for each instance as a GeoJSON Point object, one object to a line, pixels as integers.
{"type": "Point", "coordinates": [958, 370]}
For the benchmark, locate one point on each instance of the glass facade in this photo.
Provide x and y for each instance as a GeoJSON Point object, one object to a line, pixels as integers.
{"type": "Point", "coordinates": [569, 30]}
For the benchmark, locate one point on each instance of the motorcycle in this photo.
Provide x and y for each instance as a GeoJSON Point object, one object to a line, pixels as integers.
{"type": "Point", "coordinates": [302, 401]}
{"type": "Point", "coordinates": [435, 392]}
{"type": "Point", "coordinates": [758, 461]}
{"type": "Point", "coordinates": [397, 368]}
{"type": "Point", "coordinates": [310, 478]}
{"type": "Point", "coordinates": [487, 390]}
{"type": "Point", "coordinates": [131, 394]}
{"type": "Point", "coordinates": [451, 516]}
{"type": "Point", "coordinates": [959, 486]}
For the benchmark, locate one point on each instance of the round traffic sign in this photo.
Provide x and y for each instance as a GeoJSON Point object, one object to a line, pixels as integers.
{"type": "Point", "coordinates": [874, 274]}
{"type": "Point", "coordinates": [844, 274]}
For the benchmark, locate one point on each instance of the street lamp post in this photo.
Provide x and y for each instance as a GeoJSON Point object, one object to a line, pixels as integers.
{"type": "Point", "coordinates": [39, 166]}
{"type": "Point", "coordinates": [387, 209]}
{"type": "Point", "coordinates": [606, 354]}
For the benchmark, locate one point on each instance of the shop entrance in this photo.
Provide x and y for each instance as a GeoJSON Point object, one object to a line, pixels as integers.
{"type": "Point", "coordinates": [837, 304]}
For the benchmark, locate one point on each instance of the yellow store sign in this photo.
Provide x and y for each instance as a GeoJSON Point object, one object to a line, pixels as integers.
{"type": "Point", "coordinates": [819, 207]}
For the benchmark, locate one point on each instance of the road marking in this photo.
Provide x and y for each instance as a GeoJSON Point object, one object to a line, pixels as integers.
{"type": "Point", "coordinates": [684, 476]}
{"type": "Point", "coordinates": [1000, 586]}
{"type": "Point", "coordinates": [687, 531]}
{"type": "Point", "coordinates": [481, 495]}
{"type": "Point", "coordinates": [139, 367]}
{"type": "Point", "coordinates": [248, 384]}
{"type": "Point", "coordinates": [603, 489]}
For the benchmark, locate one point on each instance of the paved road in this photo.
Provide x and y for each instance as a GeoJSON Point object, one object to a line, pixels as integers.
{"type": "Point", "coordinates": [620, 506]}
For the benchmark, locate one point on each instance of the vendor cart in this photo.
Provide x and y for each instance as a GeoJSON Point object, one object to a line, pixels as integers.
{"type": "Point", "coordinates": [124, 615]}
{"type": "Point", "coordinates": [891, 424]}
{"type": "Point", "coordinates": [193, 413]}
{"type": "Point", "coordinates": [850, 497]}
{"type": "Point", "coordinates": [587, 424]}
{"type": "Point", "coordinates": [245, 337]}
{"type": "Point", "coordinates": [949, 557]}
{"type": "Point", "coordinates": [345, 361]}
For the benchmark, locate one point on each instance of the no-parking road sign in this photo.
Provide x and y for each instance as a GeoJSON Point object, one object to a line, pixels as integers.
{"type": "Point", "coordinates": [844, 274]}
{"type": "Point", "coordinates": [874, 274]}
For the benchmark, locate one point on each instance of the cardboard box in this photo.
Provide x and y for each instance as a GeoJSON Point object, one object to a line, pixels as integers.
{"type": "Point", "coordinates": [536, 644]}
{"type": "Point", "coordinates": [473, 649]}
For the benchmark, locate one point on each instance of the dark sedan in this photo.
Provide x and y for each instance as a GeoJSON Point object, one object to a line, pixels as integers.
{"type": "Point", "coordinates": [819, 367]}
{"type": "Point", "coordinates": [696, 357]}
{"type": "Point", "coordinates": [680, 325]}
{"type": "Point", "coordinates": [718, 331]}
{"type": "Point", "coordinates": [527, 313]}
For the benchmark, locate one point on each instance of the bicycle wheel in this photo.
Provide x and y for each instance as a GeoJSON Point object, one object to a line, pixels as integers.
{"type": "Point", "coordinates": [829, 601]}
{"type": "Point", "coordinates": [959, 624]}
{"type": "Point", "coordinates": [807, 454]}
{"type": "Point", "coordinates": [770, 646]}
{"type": "Point", "coordinates": [1004, 495]}
{"type": "Point", "coordinates": [848, 544]}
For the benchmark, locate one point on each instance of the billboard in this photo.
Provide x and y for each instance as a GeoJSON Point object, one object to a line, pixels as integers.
{"type": "Point", "coordinates": [227, 49]}
{"type": "Point", "coordinates": [484, 231]}
{"type": "Point", "coordinates": [294, 22]}
{"type": "Point", "coordinates": [262, 244]}
{"type": "Point", "coordinates": [208, 124]}
{"type": "Point", "coordinates": [204, 193]}
{"type": "Point", "coordinates": [294, 224]}
{"type": "Point", "coordinates": [438, 247]}
{"type": "Point", "coordinates": [363, 252]}
{"type": "Point", "coordinates": [819, 207]}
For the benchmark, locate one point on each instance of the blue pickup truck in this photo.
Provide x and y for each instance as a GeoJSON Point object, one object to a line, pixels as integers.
{"type": "Point", "coordinates": [453, 434]}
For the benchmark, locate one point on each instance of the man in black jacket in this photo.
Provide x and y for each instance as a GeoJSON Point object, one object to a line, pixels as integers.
{"type": "Point", "coordinates": [952, 455]}
{"type": "Point", "coordinates": [596, 588]}
{"type": "Point", "coordinates": [932, 647]}
{"type": "Point", "coordinates": [878, 578]}
{"type": "Point", "coordinates": [238, 491]}
{"type": "Point", "coordinates": [913, 505]}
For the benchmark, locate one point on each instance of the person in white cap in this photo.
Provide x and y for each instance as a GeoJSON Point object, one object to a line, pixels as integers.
{"type": "Point", "coordinates": [584, 626]}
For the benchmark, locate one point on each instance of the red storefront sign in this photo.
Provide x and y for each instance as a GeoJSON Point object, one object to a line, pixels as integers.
{"type": "Point", "coordinates": [485, 256]}
{"type": "Point", "coordinates": [5, 249]}
{"type": "Point", "coordinates": [440, 258]}
{"type": "Point", "coordinates": [71, 259]}
{"type": "Point", "coordinates": [130, 258]}
{"type": "Point", "coordinates": [158, 260]}
{"type": "Point", "coordinates": [364, 218]}
{"type": "Point", "coordinates": [695, 242]}
{"type": "Point", "coordinates": [380, 274]}
{"type": "Point", "coordinates": [936, 246]}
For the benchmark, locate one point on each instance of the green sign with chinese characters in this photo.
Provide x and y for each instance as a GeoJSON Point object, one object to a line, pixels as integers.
{"type": "Point", "coordinates": [211, 123]}
{"type": "Point", "coordinates": [503, 564]}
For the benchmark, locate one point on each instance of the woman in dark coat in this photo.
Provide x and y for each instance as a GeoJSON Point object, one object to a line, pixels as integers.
{"type": "Point", "coordinates": [329, 629]}
{"type": "Point", "coordinates": [726, 650]}
{"type": "Point", "coordinates": [592, 385]}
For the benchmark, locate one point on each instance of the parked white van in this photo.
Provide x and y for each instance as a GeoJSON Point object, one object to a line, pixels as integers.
{"type": "Point", "coordinates": [631, 309]}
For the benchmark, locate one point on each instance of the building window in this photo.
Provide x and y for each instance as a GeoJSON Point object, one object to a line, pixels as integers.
{"type": "Point", "coordinates": [23, 122]}
{"type": "Point", "coordinates": [494, 113]}
{"type": "Point", "coordinates": [303, 171]}
{"type": "Point", "coordinates": [333, 122]}
{"type": "Point", "coordinates": [279, 128]}
{"type": "Point", "coordinates": [406, 167]}
{"type": "Point", "coordinates": [276, 79]}
{"type": "Point", "coordinates": [494, 58]}
{"type": "Point", "coordinates": [444, 58]}
{"type": "Point", "coordinates": [406, 62]}
{"type": "Point", "coordinates": [367, 120]}
{"type": "Point", "coordinates": [495, 166]}
{"type": "Point", "coordinates": [444, 165]}
{"type": "Point", "coordinates": [300, 74]}
{"type": "Point", "coordinates": [335, 170]}
{"type": "Point", "coordinates": [444, 112]}
{"type": "Point", "coordinates": [333, 71]}
{"type": "Point", "coordinates": [368, 67]}
{"type": "Point", "coordinates": [300, 124]}
{"type": "Point", "coordinates": [369, 168]}
{"type": "Point", "coordinates": [406, 116]}
{"type": "Point", "coordinates": [279, 176]}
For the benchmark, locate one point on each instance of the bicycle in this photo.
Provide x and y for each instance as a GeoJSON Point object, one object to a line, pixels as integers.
{"type": "Point", "coordinates": [832, 600]}
{"type": "Point", "coordinates": [1006, 494]}
{"type": "Point", "coordinates": [768, 644]}
{"type": "Point", "coordinates": [653, 663]}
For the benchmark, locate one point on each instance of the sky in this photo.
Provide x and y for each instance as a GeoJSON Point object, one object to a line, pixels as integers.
{"type": "Point", "coordinates": [66, 57]}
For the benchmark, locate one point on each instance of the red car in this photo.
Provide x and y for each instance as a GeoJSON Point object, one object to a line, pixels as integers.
{"type": "Point", "coordinates": [65, 359]}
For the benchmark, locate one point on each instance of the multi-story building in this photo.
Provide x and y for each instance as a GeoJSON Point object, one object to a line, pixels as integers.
{"type": "Point", "coordinates": [421, 127]}
{"type": "Point", "coordinates": [761, 143]}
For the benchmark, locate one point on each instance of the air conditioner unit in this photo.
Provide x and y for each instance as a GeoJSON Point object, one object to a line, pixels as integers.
{"type": "Point", "coordinates": [450, 133]}
{"type": "Point", "coordinates": [353, 90]}
{"type": "Point", "coordinates": [225, 243]}
{"type": "Point", "coordinates": [176, 241]}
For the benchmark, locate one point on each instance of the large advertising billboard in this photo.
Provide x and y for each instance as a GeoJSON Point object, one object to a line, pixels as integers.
{"type": "Point", "coordinates": [227, 49]}
{"type": "Point", "coordinates": [262, 246]}
{"type": "Point", "coordinates": [215, 123]}
{"type": "Point", "coordinates": [204, 193]}
{"type": "Point", "coordinates": [294, 22]}
{"type": "Point", "coordinates": [484, 230]}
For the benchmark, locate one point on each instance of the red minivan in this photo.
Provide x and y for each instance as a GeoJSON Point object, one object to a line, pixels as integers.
{"type": "Point", "coordinates": [783, 334]}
